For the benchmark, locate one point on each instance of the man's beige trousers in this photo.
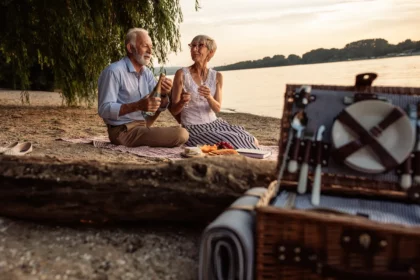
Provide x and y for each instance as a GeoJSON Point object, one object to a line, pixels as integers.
{"type": "Point", "coordinates": [137, 134]}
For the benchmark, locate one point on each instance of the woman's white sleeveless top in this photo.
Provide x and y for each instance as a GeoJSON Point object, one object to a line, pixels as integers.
{"type": "Point", "coordinates": [198, 110]}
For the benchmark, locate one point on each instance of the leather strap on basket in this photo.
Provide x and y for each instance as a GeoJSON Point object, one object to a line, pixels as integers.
{"type": "Point", "coordinates": [369, 137]}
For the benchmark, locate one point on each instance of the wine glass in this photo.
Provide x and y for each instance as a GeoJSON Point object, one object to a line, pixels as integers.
{"type": "Point", "coordinates": [184, 90]}
{"type": "Point", "coordinates": [202, 83]}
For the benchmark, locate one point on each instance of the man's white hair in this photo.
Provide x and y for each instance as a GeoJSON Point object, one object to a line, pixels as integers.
{"type": "Point", "coordinates": [131, 36]}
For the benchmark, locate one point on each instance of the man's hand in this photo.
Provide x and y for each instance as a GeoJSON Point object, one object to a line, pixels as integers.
{"type": "Point", "coordinates": [164, 102]}
{"type": "Point", "coordinates": [166, 86]}
{"type": "Point", "coordinates": [149, 104]}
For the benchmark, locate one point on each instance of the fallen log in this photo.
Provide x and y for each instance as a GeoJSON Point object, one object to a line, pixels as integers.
{"type": "Point", "coordinates": [188, 190]}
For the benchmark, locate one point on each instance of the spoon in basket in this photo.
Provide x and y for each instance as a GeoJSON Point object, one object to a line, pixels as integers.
{"type": "Point", "coordinates": [299, 122]}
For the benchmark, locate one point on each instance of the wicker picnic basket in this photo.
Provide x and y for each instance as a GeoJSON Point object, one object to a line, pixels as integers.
{"type": "Point", "coordinates": [322, 244]}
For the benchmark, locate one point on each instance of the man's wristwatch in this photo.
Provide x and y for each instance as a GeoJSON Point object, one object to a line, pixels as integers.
{"type": "Point", "coordinates": [167, 104]}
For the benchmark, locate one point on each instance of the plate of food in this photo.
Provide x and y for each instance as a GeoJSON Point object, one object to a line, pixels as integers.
{"type": "Point", "coordinates": [191, 152]}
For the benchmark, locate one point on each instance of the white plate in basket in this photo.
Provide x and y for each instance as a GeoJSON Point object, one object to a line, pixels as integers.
{"type": "Point", "coordinates": [398, 139]}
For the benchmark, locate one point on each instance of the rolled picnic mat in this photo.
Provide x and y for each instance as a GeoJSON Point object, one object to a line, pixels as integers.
{"type": "Point", "coordinates": [227, 245]}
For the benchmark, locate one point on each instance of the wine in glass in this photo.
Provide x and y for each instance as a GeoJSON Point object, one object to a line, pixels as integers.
{"type": "Point", "coordinates": [184, 90]}
{"type": "Point", "coordinates": [203, 81]}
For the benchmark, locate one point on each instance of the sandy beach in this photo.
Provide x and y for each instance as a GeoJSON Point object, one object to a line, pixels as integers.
{"type": "Point", "coordinates": [136, 251]}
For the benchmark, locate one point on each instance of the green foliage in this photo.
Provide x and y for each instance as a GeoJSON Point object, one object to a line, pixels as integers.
{"type": "Point", "coordinates": [320, 55]}
{"type": "Point", "coordinates": [371, 48]}
{"type": "Point", "coordinates": [77, 39]}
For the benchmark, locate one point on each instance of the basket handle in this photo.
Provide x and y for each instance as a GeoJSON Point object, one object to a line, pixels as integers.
{"type": "Point", "coordinates": [365, 79]}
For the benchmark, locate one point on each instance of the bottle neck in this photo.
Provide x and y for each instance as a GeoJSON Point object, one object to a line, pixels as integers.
{"type": "Point", "coordinates": [158, 87]}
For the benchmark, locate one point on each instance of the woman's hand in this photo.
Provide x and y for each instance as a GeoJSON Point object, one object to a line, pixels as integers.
{"type": "Point", "coordinates": [166, 85]}
{"type": "Point", "coordinates": [204, 91]}
{"type": "Point", "coordinates": [185, 97]}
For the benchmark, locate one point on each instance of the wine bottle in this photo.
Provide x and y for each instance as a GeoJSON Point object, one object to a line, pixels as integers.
{"type": "Point", "coordinates": [156, 92]}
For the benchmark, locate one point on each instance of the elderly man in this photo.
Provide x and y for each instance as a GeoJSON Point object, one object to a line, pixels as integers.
{"type": "Point", "coordinates": [123, 98]}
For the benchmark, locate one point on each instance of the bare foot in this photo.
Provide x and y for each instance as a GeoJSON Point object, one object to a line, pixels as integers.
{"type": "Point", "coordinates": [256, 142]}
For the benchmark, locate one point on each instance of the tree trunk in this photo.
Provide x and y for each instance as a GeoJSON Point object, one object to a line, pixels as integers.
{"type": "Point", "coordinates": [187, 190]}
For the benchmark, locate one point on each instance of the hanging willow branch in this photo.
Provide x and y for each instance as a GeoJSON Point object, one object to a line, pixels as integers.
{"type": "Point", "coordinates": [78, 38]}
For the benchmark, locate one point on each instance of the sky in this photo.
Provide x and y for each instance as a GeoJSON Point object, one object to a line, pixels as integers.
{"type": "Point", "coordinates": [253, 29]}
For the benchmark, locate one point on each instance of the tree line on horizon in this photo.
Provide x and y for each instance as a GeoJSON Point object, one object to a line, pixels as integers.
{"type": "Point", "coordinates": [362, 49]}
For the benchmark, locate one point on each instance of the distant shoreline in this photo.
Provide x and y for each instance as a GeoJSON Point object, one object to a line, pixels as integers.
{"type": "Point", "coordinates": [358, 50]}
{"type": "Point", "coordinates": [172, 72]}
{"type": "Point", "coordinates": [360, 59]}
{"type": "Point", "coordinates": [367, 49]}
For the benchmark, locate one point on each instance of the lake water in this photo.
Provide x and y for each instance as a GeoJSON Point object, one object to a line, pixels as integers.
{"type": "Point", "coordinates": [261, 91]}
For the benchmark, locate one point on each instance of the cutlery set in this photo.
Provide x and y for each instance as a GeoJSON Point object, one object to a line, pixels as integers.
{"type": "Point", "coordinates": [307, 146]}
{"type": "Point", "coordinates": [359, 141]}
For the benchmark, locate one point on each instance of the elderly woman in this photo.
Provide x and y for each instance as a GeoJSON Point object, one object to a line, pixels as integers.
{"type": "Point", "coordinates": [197, 97]}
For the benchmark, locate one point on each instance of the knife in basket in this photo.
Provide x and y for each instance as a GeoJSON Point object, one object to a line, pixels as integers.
{"type": "Point", "coordinates": [308, 137]}
{"type": "Point", "coordinates": [405, 180]}
{"type": "Point", "coordinates": [316, 186]}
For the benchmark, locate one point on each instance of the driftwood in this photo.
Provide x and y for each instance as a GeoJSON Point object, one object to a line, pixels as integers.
{"type": "Point", "coordinates": [188, 190]}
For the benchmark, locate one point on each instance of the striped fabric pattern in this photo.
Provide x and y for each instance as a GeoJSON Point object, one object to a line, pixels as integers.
{"type": "Point", "coordinates": [220, 130]}
{"type": "Point", "coordinates": [387, 212]}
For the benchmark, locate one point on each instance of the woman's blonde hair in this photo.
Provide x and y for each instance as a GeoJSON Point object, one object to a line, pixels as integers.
{"type": "Point", "coordinates": [210, 42]}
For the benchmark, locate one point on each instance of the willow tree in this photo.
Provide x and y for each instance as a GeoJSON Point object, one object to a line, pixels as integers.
{"type": "Point", "coordinates": [78, 38]}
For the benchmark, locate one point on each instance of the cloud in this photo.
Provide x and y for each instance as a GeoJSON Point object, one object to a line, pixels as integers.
{"type": "Point", "coordinates": [286, 18]}
{"type": "Point", "coordinates": [264, 15]}
{"type": "Point", "coordinates": [237, 13]}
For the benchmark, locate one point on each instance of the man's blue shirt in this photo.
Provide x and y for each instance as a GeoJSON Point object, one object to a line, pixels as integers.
{"type": "Point", "coordinates": [120, 84]}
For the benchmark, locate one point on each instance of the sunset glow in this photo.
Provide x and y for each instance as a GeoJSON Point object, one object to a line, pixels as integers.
{"type": "Point", "coordinates": [247, 30]}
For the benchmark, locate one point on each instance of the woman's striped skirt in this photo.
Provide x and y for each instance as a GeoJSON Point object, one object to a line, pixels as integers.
{"type": "Point", "coordinates": [220, 130]}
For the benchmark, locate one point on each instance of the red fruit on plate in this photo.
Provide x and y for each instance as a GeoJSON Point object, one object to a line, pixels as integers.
{"type": "Point", "coordinates": [224, 145]}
